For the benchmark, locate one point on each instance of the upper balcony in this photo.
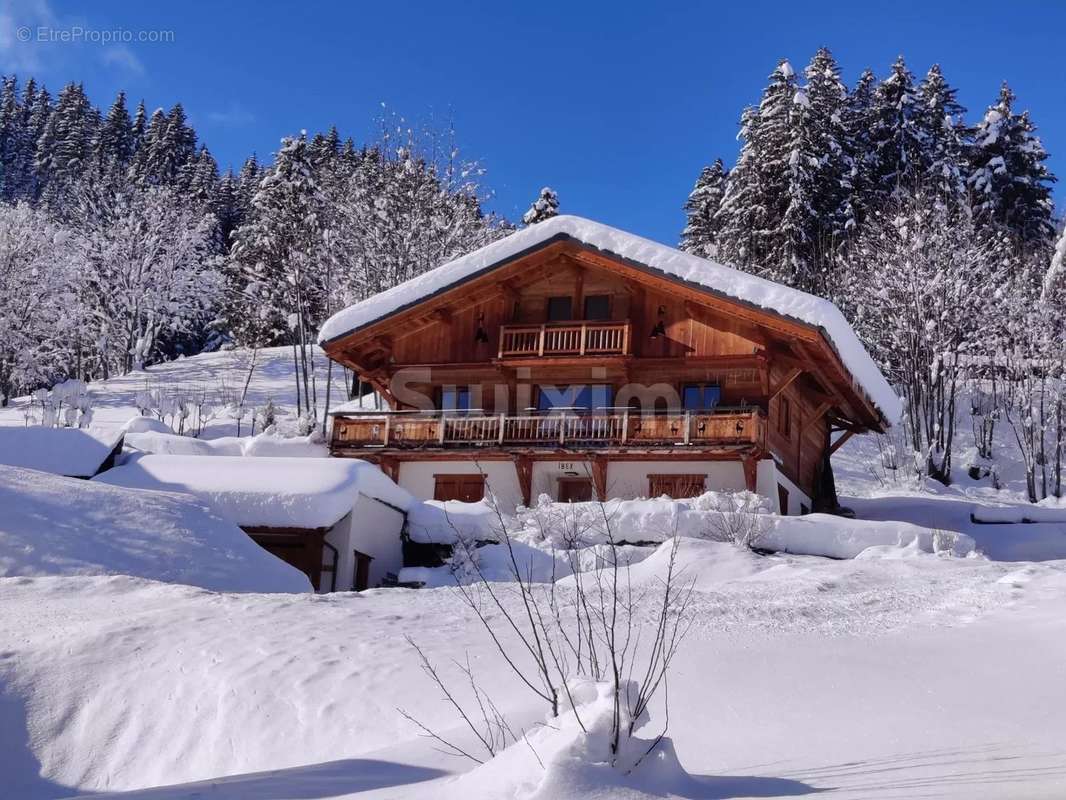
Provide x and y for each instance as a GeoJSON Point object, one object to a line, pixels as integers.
{"type": "Point", "coordinates": [733, 428]}
{"type": "Point", "coordinates": [565, 339]}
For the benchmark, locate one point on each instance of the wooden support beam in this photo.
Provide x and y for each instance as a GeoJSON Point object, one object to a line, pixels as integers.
{"type": "Point", "coordinates": [790, 376]}
{"type": "Point", "coordinates": [524, 467]}
{"type": "Point", "coordinates": [840, 442]}
{"type": "Point", "coordinates": [816, 415]}
{"type": "Point", "coordinates": [751, 471]}
{"type": "Point", "coordinates": [599, 477]}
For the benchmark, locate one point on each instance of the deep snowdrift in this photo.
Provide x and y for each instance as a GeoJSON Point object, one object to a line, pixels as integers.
{"type": "Point", "coordinates": [873, 678]}
{"type": "Point", "coordinates": [64, 526]}
{"type": "Point", "coordinates": [270, 492]}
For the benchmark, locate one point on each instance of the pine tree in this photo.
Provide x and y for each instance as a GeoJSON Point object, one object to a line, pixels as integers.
{"type": "Point", "coordinates": [1008, 178]}
{"type": "Point", "coordinates": [138, 127]}
{"type": "Point", "coordinates": [544, 207]}
{"type": "Point", "coordinates": [12, 139]}
{"type": "Point", "coordinates": [700, 234]}
{"type": "Point", "coordinates": [858, 120]}
{"type": "Point", "coordinates": [114, 143]}
{"type": "Point", "coordinates": [64, 150]}
{"type": "Point", "coordinates": [897, 137]}
{"type": "Point", "coordinates": [944, 135]}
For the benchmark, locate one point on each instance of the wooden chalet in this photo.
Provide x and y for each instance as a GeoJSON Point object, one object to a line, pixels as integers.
{"type": "Point", "coordinates": [576, 360]}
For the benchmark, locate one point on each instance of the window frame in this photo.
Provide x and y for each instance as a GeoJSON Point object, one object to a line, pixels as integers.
{"type": "Point", "coordinates": [569, 300]}
{"type": "Point", "coordinates": [606, 298]}
{"type": "Point", "coordinates": [702, 387]}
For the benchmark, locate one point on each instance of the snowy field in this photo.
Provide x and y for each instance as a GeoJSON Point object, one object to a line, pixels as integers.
{"type": "Point", "coordinates": [895, 673]}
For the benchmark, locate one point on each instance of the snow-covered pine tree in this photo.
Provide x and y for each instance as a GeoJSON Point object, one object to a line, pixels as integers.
{"type": "Point", "coordinates": [280, 252]}
{"type": "Point", "coordinates": [857, 122]}
{"type": "Point", "coordinates": [701, 232]}
{"type": "Point", "coordinates": [757, 194]}
{"type": "Point", "coordinates": [896, 137]}
{"type": "Point", "coordinates": [944, 139]}
{"type": "Point", "coordinates": [1008, 178]}
{"type": "Point", "coordinates": [544, 207]}
{"type": "Point", "coordinates": [114, 143]}
{"type": "Point", "coordinates": [64, 151]}
{"type": "Point", "coordinates": [12, 139]}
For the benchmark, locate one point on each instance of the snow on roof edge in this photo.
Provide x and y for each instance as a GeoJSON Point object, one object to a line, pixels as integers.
{"type": "Point", "coordinates": [700, 273]}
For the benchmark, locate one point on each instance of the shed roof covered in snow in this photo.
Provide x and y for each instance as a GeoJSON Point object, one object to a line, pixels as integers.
{"type": "Point", "coordinates": [71, 452]}
{"type": "Point", "coordinates": [264, 492]}
{"type": "Point", "coordinates": [651, 257]}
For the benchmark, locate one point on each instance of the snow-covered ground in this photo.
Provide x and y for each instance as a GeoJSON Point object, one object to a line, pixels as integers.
{"type": "Point", "coordinates": [893, 672]}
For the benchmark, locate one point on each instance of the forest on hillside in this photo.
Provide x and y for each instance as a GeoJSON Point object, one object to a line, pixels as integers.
{"type": "Point", "coordinates": [122, 244]}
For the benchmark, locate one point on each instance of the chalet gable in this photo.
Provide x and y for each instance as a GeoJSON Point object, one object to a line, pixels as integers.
{"type": "Point", "coordinates": [649, 287]}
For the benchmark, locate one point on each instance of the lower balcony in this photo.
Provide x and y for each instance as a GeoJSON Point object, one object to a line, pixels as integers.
{"type": "Point", "coordinates": [364, 431]}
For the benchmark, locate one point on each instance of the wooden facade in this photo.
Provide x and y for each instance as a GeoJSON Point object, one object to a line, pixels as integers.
{"type": "Point", "coordinates": [656, 368]}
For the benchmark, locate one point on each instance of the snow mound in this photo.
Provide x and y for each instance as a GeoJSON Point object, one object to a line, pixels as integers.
{"type": "Point", "coordinates": [66, 526]}
{"type": "Point", "coordinates": [143, 424]}
{"type": "Point", "coordinates": [166, 442]}
{"type": "Point", "coordinates": [74, 452]}
{"type": "Point", "coordinates": [792, 303]}
{"type": "Point", "coordinates": [574, 749]}
{"type": "Point", "coordinates": [264, 492]}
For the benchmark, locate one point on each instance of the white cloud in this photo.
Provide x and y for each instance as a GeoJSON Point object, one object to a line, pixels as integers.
{"type": "Point", "coordinates": [233, 116]}
{"type": "Point", "coordinates": [121, 56]}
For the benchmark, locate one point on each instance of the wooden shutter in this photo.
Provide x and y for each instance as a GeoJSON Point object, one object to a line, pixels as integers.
{"type": "Point", "coordinates": [676, 486]}
{"type": "Point", "coordinates": [466, 488]}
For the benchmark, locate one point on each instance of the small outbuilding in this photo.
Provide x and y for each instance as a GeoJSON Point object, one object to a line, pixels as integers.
{"type": "Point", "coordinates": [338, 521]}
{"type": "Point", "coordinates": [70, 452]}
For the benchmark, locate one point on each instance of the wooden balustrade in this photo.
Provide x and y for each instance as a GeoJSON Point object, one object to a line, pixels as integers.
{"type": "Point", "coordinates": [571, 338]}
{"type": "Point", "coordinates": [410, 431]}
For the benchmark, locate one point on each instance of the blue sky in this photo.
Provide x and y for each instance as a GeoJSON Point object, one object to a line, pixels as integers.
{"type": "Point", "coordinates": [616, 105]}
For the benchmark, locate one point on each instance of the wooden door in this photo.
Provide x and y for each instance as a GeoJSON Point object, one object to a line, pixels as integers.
{"type": "Point", "coordinates": [575, 490]}
{"type": "Point", "coordinates": [466, 488]}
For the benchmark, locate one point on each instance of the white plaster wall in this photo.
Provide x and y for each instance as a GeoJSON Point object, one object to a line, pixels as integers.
{"type": "Point", "coordinates": [629, 479]}
{"type": "Point", "coordinates": [796, 496]}
{"type": "Point", "coordinates": [546, 476]}
{"type": "Point", "coordinates": [372, 528]}
{"type": "Point", "coordinates": [501, 478]}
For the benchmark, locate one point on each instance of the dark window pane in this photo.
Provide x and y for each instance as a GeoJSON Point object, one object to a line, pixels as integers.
{"type": "Point", "coordinates": [560, 309]}
{"type": "Point", "coordinates": [698, 397]}
{"type": "Point", "coordinates": [598, 306]}
{"type": "Point", "coordinates": [575, 396]}
{"type": "Point", "coordinates": [455, 398]}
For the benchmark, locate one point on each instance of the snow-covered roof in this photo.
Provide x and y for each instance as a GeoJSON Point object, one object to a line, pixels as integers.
{"type": "Point", "coordinates": [264, 492]}
{"type": "Point", "coordinates": [732, 283]}
{"type": "Point", "coordinates": [52, 525]}
{"type": "Point", "coordinates": [73, 452]}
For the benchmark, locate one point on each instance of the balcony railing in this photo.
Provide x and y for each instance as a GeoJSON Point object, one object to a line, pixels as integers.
{"type": "Point", "coordinates": [420, 430]}
{"type": "Point", "coordinates": [565, 339]}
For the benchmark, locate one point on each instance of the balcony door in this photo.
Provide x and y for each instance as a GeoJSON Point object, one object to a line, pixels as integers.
{"type": "Point", "coordinates": [574, 397]}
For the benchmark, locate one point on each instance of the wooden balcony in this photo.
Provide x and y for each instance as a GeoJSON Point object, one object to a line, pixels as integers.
{"type": "Point", "coordinates": [565, 339]}
{"type": "Point", "coordinates": [419, 430]}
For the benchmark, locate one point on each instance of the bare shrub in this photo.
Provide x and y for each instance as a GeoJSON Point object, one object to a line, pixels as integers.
{"type": "Point", "coordinates": [739, 518]}
{"type": "Point", "coordinates": [597, 625]}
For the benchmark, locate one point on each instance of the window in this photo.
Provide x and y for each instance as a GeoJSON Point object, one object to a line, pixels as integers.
{"type": "Point", "coordinates": [560, 309]}
{"type": "Point", "coordinates": [598, 307]}
{"type": "Point", "coordinates": [784, 418]}
{"type": "Point", "coordinates": [676, 486]}
{"type": "Point", "coordinates": [581, 396]}
{"type": "Point", "coordinates": [455, 398]}
{"type": "Point", "coordinates": [465, 488]}
{"type": "Point", "coordinates": [700, 397]}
